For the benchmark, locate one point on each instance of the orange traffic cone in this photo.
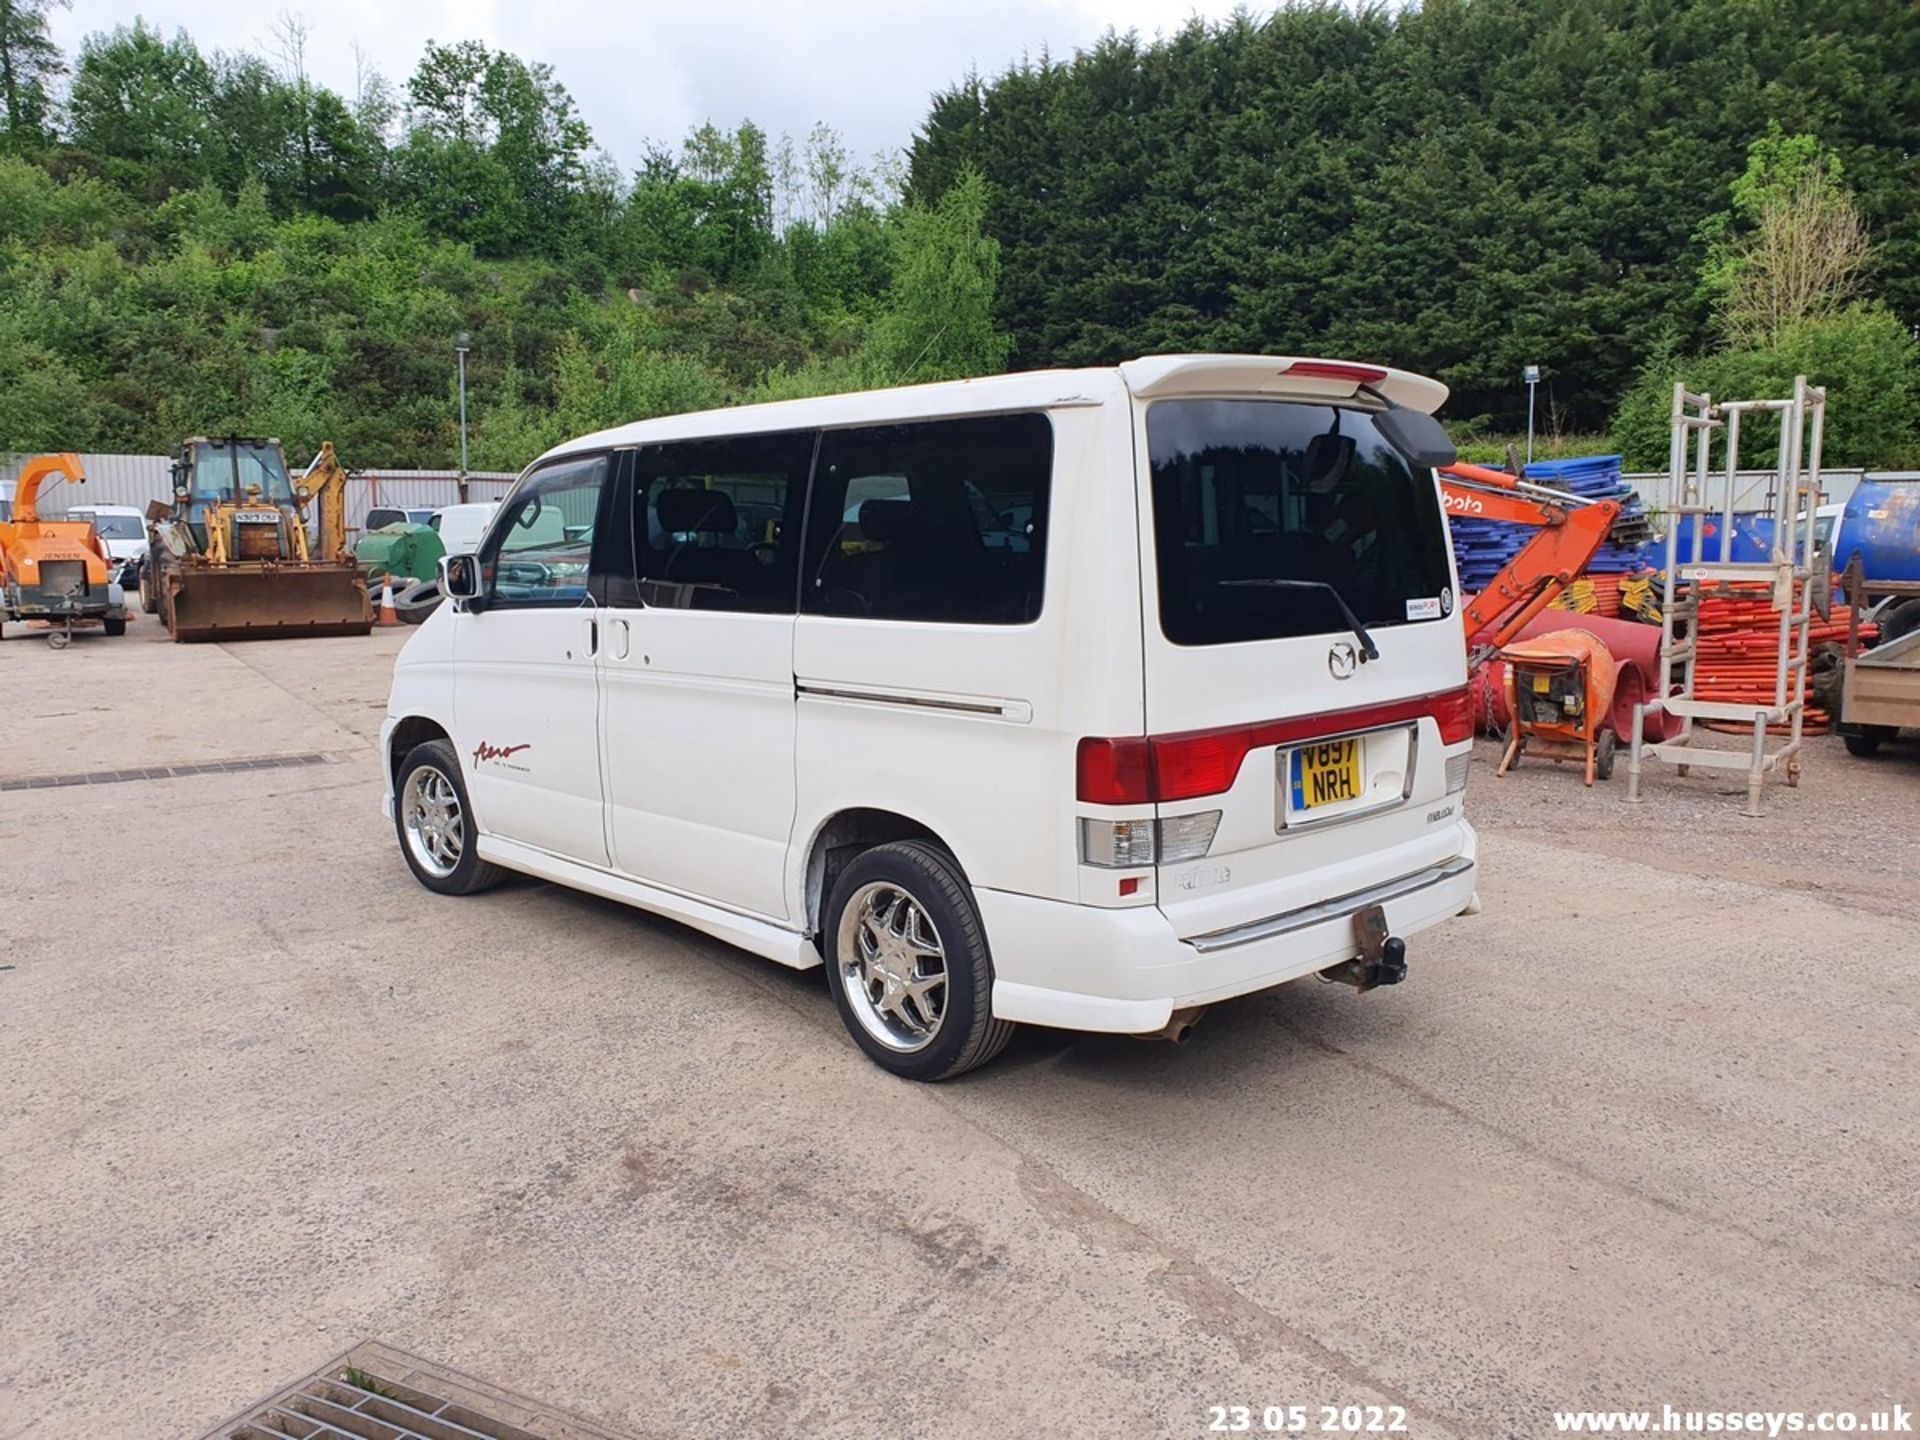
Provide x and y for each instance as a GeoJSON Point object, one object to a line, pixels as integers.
{"type": "Point", "coordinates": [388, 616]}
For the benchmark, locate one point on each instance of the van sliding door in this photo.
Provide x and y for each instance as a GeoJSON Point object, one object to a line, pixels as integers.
{"type": "Point", "coordinates": [697, 667]}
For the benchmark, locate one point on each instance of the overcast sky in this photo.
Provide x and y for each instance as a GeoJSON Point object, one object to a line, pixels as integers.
{"type": "Point", "coordinates": [655, 69]}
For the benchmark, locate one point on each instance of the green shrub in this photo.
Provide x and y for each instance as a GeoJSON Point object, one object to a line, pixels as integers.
{"type": "Point", "coordinates": [1864, 356]}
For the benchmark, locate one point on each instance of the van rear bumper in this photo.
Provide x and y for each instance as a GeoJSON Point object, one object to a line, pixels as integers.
{"type": "Point", "coordinates": [1079, 967]}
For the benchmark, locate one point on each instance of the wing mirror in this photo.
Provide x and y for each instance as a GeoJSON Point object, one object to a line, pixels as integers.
{"type": "Point", "coordinates": [460, 578]}
{"type": "Point", "coordinates": [1416, 435]}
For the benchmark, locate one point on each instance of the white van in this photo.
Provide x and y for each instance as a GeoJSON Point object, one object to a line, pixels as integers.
{"type": "Point", "coordinates": [1077, 698]}
{"type": "Point", "coordinates": [460, 527]}
{"type": "Point", "coordinates": [123, 530]}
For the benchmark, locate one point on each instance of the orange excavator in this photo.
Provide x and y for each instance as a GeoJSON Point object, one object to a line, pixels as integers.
{"type": "Point", "coordinates": [1559, 689]}
{"type": "Point", "coordinates": [57, 571]}
{"type": "Point", "coordinates": [1572, 530]}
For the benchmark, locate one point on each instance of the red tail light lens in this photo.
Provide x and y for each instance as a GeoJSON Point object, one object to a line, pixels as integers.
{"type": "Point", "coordinates": [1205, 763]}
{"type": "Point", "coordinates": [1142, 769]}
{"type": "Point", "coordinates": [1114, 772]}
{"type": "Point", "coordinates": [1454, 713]}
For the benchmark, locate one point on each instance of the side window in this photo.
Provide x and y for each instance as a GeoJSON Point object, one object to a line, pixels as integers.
{"type": "Point", "coordinates": [716, 524]}
{"type": "Point", "coordinates": [943, 520]}
{"type": "Point", "coordinates": [540, 549]}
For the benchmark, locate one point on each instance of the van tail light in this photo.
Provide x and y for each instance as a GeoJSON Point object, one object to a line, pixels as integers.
{"type": "Point", "coordinates": [1130, 844]}
{"type": "Point", "coordinates": [1454, 714]}
{"type": "Point", "coordinates": [1153, 769]}
{"type": "Point", "coordinates": [1113, 772]}
{"type": "Point", "coordinates": [1116, 844]}
{"type": "Point", "coordinates": [1186, 837]}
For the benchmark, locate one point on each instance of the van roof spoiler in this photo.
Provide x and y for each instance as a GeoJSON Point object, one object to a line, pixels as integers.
{"type": "Point", "coordinates": [1157, 376]}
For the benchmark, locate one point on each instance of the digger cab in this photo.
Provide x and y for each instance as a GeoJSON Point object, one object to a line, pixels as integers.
{"type": "Point", "coordinates": [235, 473]}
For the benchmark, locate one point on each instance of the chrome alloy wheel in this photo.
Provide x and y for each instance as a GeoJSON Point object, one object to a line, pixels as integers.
{"type": "Point", "coordinates": [893, 967]}
{"type": "Point", "coordinates": [436, 828]}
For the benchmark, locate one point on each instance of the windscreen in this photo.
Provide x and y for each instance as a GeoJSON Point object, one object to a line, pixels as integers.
{"type": "Point", "coordinates": [1253, 497]}
{"type": "Point", "coordinates": [119, 527]}
{"type": "Point", "coordinates": [236, 471]}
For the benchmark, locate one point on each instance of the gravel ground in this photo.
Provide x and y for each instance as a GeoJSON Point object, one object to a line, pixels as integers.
{"type": "Point", "coordinates": [1643, 1132]}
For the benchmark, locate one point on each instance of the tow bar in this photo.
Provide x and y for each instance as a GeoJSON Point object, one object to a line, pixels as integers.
{"type": "Point", "coordinates": [1382, 959]}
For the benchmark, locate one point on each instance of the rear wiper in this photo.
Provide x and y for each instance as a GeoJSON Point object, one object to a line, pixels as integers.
{"type": "Point", "coordinates": [1368, 650]}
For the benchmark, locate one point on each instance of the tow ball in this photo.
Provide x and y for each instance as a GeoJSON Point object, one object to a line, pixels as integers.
{"type": "Point", "coordinates": [1382, 959]}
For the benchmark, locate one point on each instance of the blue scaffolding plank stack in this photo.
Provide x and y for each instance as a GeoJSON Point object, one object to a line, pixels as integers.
{"type": "Point", "coordinates": [1483, 547]}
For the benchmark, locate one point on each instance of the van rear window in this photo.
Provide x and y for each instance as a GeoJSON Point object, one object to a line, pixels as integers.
{"type": "Point", "coordinates": [1247, 492]}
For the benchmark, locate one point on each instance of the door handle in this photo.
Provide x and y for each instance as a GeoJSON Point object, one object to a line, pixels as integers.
{"type": "Point", "coordinates": [593, 638]}
{"type": "Point", "coordinates": [621, 639]}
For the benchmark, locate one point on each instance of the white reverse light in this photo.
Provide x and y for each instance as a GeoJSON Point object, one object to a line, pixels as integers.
{"type": "Point", "coordinates": [1129, 844]}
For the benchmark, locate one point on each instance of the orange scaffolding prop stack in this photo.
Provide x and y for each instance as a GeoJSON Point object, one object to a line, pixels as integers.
{"type": "Point", "coordinates": [1736, 662]}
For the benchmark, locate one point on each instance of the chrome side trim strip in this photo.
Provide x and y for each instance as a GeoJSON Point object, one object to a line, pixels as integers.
{"type": "Point", "coordinates": [999, 709]}
{"type": "Point", "coordinates": [1340, 905]}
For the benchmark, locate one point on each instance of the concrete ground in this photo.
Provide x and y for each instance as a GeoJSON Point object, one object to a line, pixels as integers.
{"type": "Point", "coordinates": [1644, 1132]}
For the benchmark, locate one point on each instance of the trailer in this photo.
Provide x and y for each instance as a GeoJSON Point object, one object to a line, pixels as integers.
{"type": "Point", "coordinates": [1879, 688]}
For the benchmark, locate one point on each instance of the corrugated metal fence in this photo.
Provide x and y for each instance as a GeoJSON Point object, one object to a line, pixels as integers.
{"type": "Point", "coordinates": [136, 479]}
{"type": "Point", "coordinates": [1751, 497]}
{"type": "Point", "coordinates": [111, 480]}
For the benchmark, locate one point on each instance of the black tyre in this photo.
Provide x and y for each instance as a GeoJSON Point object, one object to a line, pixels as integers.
{"type": "Point", "coordinates": [1866, 740]}
{"type": "Point", "coordinates": [433, 821]}
{"type": "Point", "coordinates": [1604, 746]}
{"type": "Point", "coordinates": [149, 590]}
{"type": "Point", "coordinates": [115, 626]}
{"type": "Point", "coordinates": [415, 603]}
{"type": "Point", "coordinates": [1903, 619]}
{"type": "Point", "coordinates": [908, 965]}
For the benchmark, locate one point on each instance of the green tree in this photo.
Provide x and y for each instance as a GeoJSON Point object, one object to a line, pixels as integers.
{"type": "Point", "coordinates": [142, 107]}
{"type": "Point", "coordinates": [28, 60]}
{"type": "Point", "coordinates": [1784, 266]}
{"type": "Point", "coordinates": [1863, 355]}
{"type": "Point", "coordinates": [1461, 187]}
{"type": "Point", "coordinates": [496, 153]}
{"type": "Point", "coordinates": [938, 323]}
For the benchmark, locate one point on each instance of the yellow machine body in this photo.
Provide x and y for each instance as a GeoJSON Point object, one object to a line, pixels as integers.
{"type": "Point", "coordinates": [232, 557]}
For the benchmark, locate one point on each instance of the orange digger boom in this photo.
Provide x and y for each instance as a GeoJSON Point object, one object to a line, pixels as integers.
{"type": "Point", "coordinates": [1572, 530]}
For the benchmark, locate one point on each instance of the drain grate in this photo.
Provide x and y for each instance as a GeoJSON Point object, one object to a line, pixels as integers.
{"type": "Point", "coordinates": [163, 772]}
{"type": "Point", "coordinates": [375, 1392]}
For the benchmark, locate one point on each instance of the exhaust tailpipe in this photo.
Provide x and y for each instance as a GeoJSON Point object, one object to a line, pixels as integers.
{"type": "Point", "coordinates": [1179, 1025]}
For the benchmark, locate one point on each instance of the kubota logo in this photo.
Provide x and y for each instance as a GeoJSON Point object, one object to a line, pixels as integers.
{"type": "Point", "coordinates": [486, 751]}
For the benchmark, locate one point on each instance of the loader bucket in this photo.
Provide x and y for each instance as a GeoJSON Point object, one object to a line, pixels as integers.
{"type": "Point", "coordinates": [265, 602]}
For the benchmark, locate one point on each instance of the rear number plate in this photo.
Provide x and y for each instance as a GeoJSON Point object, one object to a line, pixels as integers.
{"type": "Point", "coordinates": [1325, 774]}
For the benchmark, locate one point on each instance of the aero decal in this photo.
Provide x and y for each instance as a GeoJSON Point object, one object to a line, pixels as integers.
{"type": "Point", "coordinates": [485, 751]}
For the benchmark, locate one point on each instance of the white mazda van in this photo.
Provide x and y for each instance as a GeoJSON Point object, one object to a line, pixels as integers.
{"type": "Point", "coordinates": [1077, 698]}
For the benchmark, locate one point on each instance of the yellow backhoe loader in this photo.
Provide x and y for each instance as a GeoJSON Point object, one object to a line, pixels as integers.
{"type": "Point", "coordinates": [231, 557]}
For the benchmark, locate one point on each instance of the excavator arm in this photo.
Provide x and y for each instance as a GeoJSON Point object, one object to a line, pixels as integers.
{"type": "Point", "coordinates": [326, 482]}
{"type": "Point", "coordinates": [1572, 530]}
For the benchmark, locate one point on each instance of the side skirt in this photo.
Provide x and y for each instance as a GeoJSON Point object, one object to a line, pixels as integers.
{"type": "Point", "coordinates": [757, 937]}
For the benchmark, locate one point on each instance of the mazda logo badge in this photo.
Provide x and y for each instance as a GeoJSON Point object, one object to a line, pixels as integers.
{"type": "Point", "coordinates": [1343, 660]}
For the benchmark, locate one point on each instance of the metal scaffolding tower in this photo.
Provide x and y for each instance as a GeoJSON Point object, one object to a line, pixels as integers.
{"type": "Point", "coordinates": [1795, 577]}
